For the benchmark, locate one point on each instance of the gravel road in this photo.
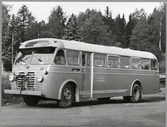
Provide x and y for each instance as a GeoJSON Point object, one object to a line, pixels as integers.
{"type": "Point", "coordinates": [149, 112]}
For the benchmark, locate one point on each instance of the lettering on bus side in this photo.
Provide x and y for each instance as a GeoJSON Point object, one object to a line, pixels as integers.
{"type": "Point", "coordinates": [100, 80]}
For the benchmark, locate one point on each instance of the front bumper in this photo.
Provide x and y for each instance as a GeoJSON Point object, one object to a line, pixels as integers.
{"type": "Point", "coordinates": [36, 93]}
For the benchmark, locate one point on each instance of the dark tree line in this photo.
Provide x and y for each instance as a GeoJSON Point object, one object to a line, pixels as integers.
{"type": "Point", "coordinates": [142, 32]}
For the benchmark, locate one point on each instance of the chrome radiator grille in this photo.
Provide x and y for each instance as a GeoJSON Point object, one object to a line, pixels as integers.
{"type": "Point", "coordinates": [25, 82]}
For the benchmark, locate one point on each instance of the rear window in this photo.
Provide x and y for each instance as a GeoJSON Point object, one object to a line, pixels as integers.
{"type": "Point", "coordinates": [154, 64]}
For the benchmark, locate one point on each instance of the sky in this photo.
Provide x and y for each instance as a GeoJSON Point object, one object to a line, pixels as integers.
{"type": "Point", "coordinates": [42, 10]}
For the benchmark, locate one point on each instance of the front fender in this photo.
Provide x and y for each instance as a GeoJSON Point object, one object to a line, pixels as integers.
{"type": "Point", "coordinates": [76, 90]}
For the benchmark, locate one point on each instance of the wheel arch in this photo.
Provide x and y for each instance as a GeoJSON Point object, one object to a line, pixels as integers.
{"type": "Point", "coordinates": [136, 81]}
{"type": "Point", "coordinates": [75, 87]}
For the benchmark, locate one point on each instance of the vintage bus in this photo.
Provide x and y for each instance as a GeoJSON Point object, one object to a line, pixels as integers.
{"type": "Point", "coordinates": [71, 71]}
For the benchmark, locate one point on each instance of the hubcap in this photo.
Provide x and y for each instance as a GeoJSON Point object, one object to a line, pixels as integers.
{"type": "Point", "coordinates": [67, 94]}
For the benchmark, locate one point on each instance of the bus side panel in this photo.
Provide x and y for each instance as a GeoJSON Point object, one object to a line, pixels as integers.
{"type": "Point", "coordinates": [107, 83]}
{"type": "Point", "coordinates": [150, 84]}
{"type": "Point", "coordinates": [57, 76]}
{"type": "Point", "coordinates": [117, 82]}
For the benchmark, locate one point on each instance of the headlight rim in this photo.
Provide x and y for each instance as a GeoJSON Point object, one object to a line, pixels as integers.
{"type": "Point", "coordinates": [40, 78]}
{"type": "Point", "coordinates": [11, 78]}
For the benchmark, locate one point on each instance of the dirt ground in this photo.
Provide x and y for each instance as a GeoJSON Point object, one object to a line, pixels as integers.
{"type": "Point", "coordinates": [149, 112]}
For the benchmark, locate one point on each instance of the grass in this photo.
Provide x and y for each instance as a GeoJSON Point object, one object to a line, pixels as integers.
{"type": "Point", "coordinates": [8, 98]}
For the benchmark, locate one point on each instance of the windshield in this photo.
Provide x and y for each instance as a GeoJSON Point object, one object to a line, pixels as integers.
{"type": "Point", "coordinates": [35, 56]}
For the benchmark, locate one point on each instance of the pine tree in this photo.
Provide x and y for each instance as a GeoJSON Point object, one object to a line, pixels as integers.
{"type": "Point", "coordinates": [119, 29]}
{"type": "Point", "coordinates": [72, 29]}
{"type": "Point", "coordinates": [129, 27]}
{"type": "Point", "coordinates": [107, 18]}
{"type": "Point", "coordinates": [95, 31]}
{"type": "Point", "coordinates": [140, 36]}
{"type": "Point", "coordinates": [157, 23]}
{"type": "Point", "coordinates": [6, 37]}
{"type": "Point", "coordinates": [56, 24]}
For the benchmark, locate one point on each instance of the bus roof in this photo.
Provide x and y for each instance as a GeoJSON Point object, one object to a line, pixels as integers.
{"type": "Point", "coordinates": [82, 46]}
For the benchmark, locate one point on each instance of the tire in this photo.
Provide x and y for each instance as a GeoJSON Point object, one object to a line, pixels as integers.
{"type": "Point", "coordinates": [136, 94]}
{"type": "Point", "coordinates": [31, 100]}
{"type": "Point", "coordinates": [67, 97]}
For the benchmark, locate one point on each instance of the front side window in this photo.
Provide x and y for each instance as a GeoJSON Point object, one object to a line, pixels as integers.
{"type": "Point", "coordinates": [124, 61]}
{"type": "Point", "coordinates": [136, 63]}
{"type": "Point", "coordinates": [99, 60]}
{"type": "Point", "coordinates": [73, 57]}
{"type": "Point", "coordinates": [145, 64]}
{"type": "Point", "coordinates": [113, 61]}
{"type": "Point", "coordinates": [60, 58]}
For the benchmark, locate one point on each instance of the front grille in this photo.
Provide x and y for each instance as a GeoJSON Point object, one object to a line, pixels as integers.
{"type": "Point", "coordinates": [25, 82]}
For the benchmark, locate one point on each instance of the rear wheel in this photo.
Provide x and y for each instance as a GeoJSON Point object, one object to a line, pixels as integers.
{"type": "Point", "coordinates": [31, 100]}
{"type": "Point", "coordinates": [136, 94]}
{"type": "Point", "coordinates": [67, 96]}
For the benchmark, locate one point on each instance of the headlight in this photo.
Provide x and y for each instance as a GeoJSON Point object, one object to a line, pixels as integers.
{"type": "Point", "coordinates": [44, 71]}
{"type": "Point", "coordinates": [40, 78]}
{"type": "Point", "coordinates": [11, 78]}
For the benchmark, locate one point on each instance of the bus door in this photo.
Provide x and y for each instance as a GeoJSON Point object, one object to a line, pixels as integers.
{"type": "Point", "coordinates": [86, 75]}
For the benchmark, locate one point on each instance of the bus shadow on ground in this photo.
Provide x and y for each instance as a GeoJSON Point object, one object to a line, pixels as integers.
{"type": "Point", "coordinates": [146, 99]}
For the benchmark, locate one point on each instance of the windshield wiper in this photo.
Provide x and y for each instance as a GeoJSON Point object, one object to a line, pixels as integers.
{"type": "Point", "coordinates": [25, 59]}
{"type": "Point", "coordinates": [38, 59]}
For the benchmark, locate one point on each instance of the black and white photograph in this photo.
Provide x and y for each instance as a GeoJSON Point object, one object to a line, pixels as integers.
{"type": "Point", "coordinates": [83, 64]}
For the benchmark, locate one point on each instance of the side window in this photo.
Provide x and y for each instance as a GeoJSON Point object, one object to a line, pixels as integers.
{"type": "Point", "coordinates": [145, 64]}
{"type": "Point", "coordinates": [113, 61]}
{"type": "Point", "coordinates": [99, 60]}
{"type": "Point", "coordinates": [154, 64]}
{"type": "Point", "coordinates": [124, 62]}
{"type": "Point", "coordinates": [136, 63]}
{"type": "Point", "coordinates": [60, 58]}
{"type": "Point", "coordinates": [73, 57]}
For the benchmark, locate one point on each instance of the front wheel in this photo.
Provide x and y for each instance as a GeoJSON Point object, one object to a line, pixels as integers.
{"type": "Point", "coordinates": [31, 100]}
{"type": "Point", "coordinates": [67, 97]}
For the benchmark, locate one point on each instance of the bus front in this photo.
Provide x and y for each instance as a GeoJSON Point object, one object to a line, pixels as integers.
{"type": "Point", "coordinates": [29, 73]}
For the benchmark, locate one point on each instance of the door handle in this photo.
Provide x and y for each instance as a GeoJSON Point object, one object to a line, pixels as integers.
{"type": "Point", "coordinates": [77, 69]}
